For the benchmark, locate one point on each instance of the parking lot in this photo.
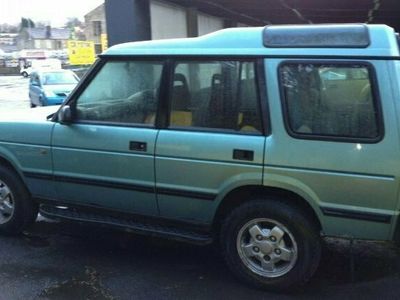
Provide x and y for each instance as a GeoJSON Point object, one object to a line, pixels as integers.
{"type": "Point", "coordinates": [57, 260]}
{"type": "Point", "coordinates": [13, 92]}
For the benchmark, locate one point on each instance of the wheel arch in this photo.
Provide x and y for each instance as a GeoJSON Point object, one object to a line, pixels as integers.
{"type": "Point", "coordinates": [243, 194]}
{"type": "Point", "coordinates": [8, 163]}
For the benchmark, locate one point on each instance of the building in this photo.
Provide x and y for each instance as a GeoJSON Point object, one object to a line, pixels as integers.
{"type": "Point", "coordinates": [95, 26]}
{"type": "Point", "coordinates": [44, 38]}
{"type": "Point", "coordinates": [8, 42]}
{"type": "Point", "coordinates": [134, 20]}
{"type": "Point", "coordinates": [130, 20]}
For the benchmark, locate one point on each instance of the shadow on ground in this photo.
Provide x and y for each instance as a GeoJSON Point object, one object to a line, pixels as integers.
{"type": "Point", "coordinates": [75, 261]}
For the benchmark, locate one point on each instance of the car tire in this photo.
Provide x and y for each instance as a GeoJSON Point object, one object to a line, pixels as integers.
{"type": "Point", "coordinates": [32, 105]}
{"type": "Point", "coordinates": [24, 74]}
{"type": "Point", "coordinates": [270, 244]}
{"type": "Point", "coordinates": [17, 210]}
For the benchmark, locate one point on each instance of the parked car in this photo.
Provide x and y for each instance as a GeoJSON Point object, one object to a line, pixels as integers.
{"type": "Point", "coordinates": [260, 139]}
{"type": "Point", "coordinates": [51, 87]}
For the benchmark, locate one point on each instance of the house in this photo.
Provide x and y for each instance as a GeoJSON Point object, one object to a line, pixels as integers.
{"type": "Point", "coordinates": [43, 38]}
{"type": "Point", "coordinates": [8, 42]}
{"type": "Point", "coordinates": [95, 26]}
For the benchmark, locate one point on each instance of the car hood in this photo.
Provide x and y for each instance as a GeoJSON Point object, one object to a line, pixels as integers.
{"type": "Point", "coordinates": [26, 127]}
{"type": "Point", "coordinates": [38, 114]}
{"type": "Point", "coordinates": [59, 88]}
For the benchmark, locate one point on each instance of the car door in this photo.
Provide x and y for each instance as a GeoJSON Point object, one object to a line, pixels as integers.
{"type": "Point", "coordinates": [336, 141]}
{"type": "Point", "coordinates": [35, 88]}
{"type": "Point", "coordinates": [105, 157]}
{"type": "Point", "coordinates": [214, 141]}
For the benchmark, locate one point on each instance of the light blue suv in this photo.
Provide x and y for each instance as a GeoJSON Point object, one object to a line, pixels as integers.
{"type": "Point", "coordinates": [259, 139]}
{"type": "Point", "coordinates": [51, 87]}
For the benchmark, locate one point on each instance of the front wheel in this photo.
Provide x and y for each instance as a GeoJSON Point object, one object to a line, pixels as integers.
{"type": "Point", "coordinates": [270, 244]}
{"type": "Point", "coordinates": [17, 210]}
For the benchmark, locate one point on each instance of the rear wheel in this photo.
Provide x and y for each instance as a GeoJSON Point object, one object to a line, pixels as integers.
{"type": "Point", "coordinates": [25, 74]}
{"type": "Point", "coordinates": [17, 210]}
{"type": "Point", "coordinates": [270, 244]}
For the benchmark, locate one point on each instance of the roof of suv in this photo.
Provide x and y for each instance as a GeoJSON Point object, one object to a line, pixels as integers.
{"type": "Point", "coordinates": [254, 41]}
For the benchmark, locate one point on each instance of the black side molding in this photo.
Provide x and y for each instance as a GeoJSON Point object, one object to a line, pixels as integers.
{"type": "Point", "coordinates": [124, 186]}
{"type": "Point", "coordinates": [351, 214]}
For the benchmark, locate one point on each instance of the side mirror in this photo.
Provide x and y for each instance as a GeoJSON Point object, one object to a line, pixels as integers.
{"type": "Point", "coordinates": [64, 115]}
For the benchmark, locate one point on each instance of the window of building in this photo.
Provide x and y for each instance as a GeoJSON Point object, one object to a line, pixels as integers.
{"type": "Point", "coordinates": [97, 28]}
{"type": "Point", "coordinates": [334, 100]}
{"type": "Point", "coordinates": [59, 45]}
{"type": "Point", "coordinates": [122, 92]}
{"type": "Point", "coordinates": [216, 95]}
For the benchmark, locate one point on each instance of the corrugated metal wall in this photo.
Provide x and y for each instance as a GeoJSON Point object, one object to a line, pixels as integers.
{"type": "Point", "coordinates": [209, 23]}
{"type": "Point", "coordinates": [167, 21]}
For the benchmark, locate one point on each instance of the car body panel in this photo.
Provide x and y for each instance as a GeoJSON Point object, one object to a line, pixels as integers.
{"type": "Point", "coordinates": [87, 156]}
{"type": "Point", "coordinates": [205, 170]}
{"type": "Point", "coordinates": [25, 141]}
{"type": "Point", "coordinates": [248, 41]}
{"type": "Point", "coordinates": [361, 177]}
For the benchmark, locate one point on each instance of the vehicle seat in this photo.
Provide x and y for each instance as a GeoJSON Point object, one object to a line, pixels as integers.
{"type": "Point", "coordinates": [181, 114]}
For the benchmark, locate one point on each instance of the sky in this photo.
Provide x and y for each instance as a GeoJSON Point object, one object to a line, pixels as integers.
{"type": "Point", "coordinates": [54, 11]}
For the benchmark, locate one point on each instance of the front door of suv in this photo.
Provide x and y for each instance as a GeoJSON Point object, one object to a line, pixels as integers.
{"type": "Point", "coordinates": [214, 140]}
{"type": "Point", "coordinates": [105, 156]}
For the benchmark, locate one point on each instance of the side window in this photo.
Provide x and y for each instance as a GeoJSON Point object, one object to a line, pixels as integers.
{"type": "Point", "coordinates": [35, 79]}
{"type": "Point", "coordinates": [329, 100]}
{"type": "Point", "coordinates": [216, 95]}
{"type": "Point", "coordinates": [122, 92]}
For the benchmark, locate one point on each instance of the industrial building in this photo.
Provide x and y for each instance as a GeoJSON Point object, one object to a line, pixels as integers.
{"type": "Point", "coordinates": [133, 20]}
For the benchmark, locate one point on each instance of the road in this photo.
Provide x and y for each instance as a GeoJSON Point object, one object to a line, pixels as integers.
{"type": "Point", "coordinates": [54, 260]}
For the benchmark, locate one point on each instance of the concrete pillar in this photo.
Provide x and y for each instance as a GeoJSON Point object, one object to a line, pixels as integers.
{"type": "Point", "coordinates": [127, 21]}
{"type": "Point", "coordinates": [192, 22]}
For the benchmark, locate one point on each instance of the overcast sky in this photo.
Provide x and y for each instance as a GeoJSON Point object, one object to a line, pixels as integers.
{"type": "Point", "coordinates": [55, 11]}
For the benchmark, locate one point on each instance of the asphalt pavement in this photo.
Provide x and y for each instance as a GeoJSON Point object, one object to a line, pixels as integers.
{"type": "Point", "coordinates": [75, 261]}
{"type": "Point", "coordinates": [58, 260]}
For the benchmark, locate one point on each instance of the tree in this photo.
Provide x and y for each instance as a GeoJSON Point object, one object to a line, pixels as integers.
{"type": "Point", "coordinates": [76, 28]}
{"type": "Point", "coordinates": [73, 22]}
{"type": "Point", "coordinates": [26, 23]}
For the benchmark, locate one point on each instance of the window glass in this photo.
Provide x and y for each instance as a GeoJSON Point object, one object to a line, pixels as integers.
{"type": "Point", "coordinates": [329, 100]}
{"type": "Point", "coordinates": [216, 94]}
{"type": "Point", "coordinates": [59, 78]}
{"type": "Point", "coordinates": [35, 79]}
{"type": "Point", "coordinates": [123, 92]}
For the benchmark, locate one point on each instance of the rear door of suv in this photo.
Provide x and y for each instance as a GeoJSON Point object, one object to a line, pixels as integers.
{"type": "Point", "coordinates": [214, 136]}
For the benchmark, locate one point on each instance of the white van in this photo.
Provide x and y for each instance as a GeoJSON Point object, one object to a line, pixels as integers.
{"type": "Point", "coordinates": [40, 64]}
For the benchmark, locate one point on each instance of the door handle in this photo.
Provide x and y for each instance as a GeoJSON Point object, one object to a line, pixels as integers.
{"type": "Point", "coordinates": [241, 154]}
{"type": "Point", "coordinates": [137, 146]}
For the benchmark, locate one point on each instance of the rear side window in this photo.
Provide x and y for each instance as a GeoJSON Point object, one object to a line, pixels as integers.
{"type": "Point", "coordinates": [218, 95]}
{"type": "Point", "coordinates": [330, 100]}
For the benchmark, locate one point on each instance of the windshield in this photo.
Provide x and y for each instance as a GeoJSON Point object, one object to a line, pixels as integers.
{"type": "Point", "coordinates": [59, 78]}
